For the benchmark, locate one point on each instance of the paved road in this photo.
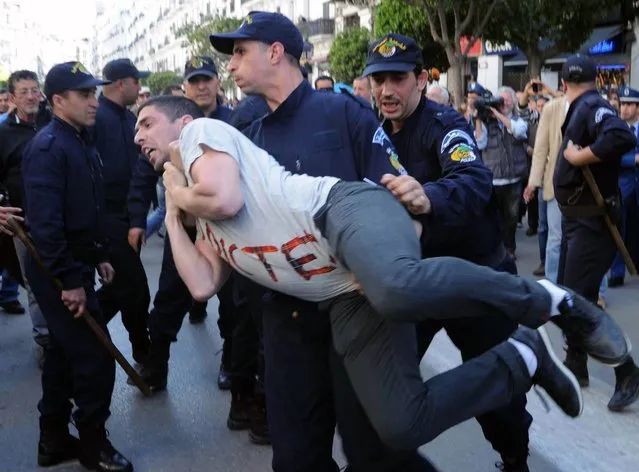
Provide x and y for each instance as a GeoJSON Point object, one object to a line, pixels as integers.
{"type": "Point", "coordinates": [184, 428]}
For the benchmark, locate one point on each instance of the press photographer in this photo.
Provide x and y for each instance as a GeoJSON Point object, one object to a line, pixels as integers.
{"type": "Point", "coordinates": [505, 155]}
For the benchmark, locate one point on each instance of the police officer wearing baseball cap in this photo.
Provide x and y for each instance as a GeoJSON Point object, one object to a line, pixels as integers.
{"type": "Point", "coordinates": [595, 138]}
{"type": "Point", "coordinates": [435, 145]}
{"type": "Point", "coordinates": [318, 134]}
{"type": "Point", "coordinates": [202, 85]}
{"type": "Point", "coordinates": [113, 135]}
{"type": "Point", "coordinates": [66, 224]}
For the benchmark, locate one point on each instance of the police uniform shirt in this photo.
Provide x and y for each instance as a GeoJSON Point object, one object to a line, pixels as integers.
{"type": "Point", "coordinates": [591, 121]}
{"type": "Point", "coordinates": [437, 148]}
{"type": "Point", "coordinates": [326, 134]}
{"type": "Point", "coordinates": [114, 133]}
{"type": "Point", "coordinates": [64, 200]}
{"type": "Point", "coordinates": [277, 217]}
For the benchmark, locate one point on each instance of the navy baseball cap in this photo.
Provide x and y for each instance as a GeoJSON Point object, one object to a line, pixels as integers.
{"type": "Point", "coordinates": [475, 87]}
{"type": "Point", "coordinates": [628, 95]}
{"type": "Point", "coordinates": [70, 76]}
{"type": "Point", "coordinates": [121, 69]}
{"type": "Point", "coordinates": [393, 53]}
{"type": "Point", "coordinates": [579, 69]}
{"type": "Point", "coordinates": [200, 65]}
{"type": "Point", "coordinates": [265, 27]}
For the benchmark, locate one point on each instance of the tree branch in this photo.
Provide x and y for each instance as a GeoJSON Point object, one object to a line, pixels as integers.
{"type": "Point", "coordinates": [472, 4]}
{"type": "Point", "coordinates": [479, 31]}
{"type": "Point", "coordinates": [433, 30]}
{"type": "Point", "coordinates": [441, 11]}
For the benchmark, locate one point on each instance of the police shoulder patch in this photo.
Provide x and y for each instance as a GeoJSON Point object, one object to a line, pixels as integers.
{"type": "Point", "coordinates": [463, 153]}
{"type": "Point", "coordinates": [601, 112]}
{"type": "Point", "coordinates": [380, 137]}
{"type": "Point", "coordinates": [455, 135]}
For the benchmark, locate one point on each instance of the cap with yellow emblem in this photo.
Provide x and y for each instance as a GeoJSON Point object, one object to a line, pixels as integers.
{"type": "Point", "coordinates": [266, 27]}
{"type": "Point", "coordinates": [200, 65]}
{"type": "Point", "coordinates": [393, 53]}
{"type": "Point", "coordinates": [70, 76]}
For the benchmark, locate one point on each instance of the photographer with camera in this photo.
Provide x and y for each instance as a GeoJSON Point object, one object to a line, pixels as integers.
{"type": "Point", "coordinates": [505, 155]}
{"type": "Point", "coordinates": [474, 92]}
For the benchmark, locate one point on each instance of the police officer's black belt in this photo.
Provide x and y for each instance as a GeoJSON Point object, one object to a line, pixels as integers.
{"type": "Point", "coordinates": [582, 211]}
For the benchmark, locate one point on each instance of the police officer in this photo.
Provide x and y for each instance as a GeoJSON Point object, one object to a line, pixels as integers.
{"type": "Point", "coordinates": [113, 135]}
{"type": "Point", "coordinates": [64, 198]}
{"type": "Point", "coordinates": [435, 146]}
{"type": "Point", "coordinates": [629, 186]}
{"type": "Point", "coordinates": [594, 136]}
{"type": "Point", "coordinates": [172, 300]}
{"type": "Point", "coordinates": [317, 134]}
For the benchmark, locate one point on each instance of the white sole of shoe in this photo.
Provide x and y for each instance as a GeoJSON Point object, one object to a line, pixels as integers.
{"type": "Point", "coordinates": [560, 365]}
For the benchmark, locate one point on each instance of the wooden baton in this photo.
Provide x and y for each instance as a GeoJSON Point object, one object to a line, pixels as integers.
{"type": "Point", "coordinates": [594, 188]}
{"type": "Point", "coordinates": [16, 228]}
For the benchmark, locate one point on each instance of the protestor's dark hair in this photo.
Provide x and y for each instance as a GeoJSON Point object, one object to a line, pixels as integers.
{"type": "Point", "coordinates": [3, 90]}
{"type": "Point", "coordinates": [169, 89]}
{"type": "Point", "coordinates": [324, 77]}
{"type": "Point", "coordinates": [18, 76]}
{"type": "Point", "coordinates": [173, 107]}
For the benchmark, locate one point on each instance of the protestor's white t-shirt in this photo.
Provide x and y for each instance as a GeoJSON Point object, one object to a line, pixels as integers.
{"type": "Point", "coordinates": [273, 240]}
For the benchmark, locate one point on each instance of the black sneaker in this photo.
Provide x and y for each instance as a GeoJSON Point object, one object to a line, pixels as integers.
{"type": "Point", "coordinates": [258, 432]}
{"type": "Point", "coordinates": [591, 328]}
{"type": "Point", "coordinates": [513, 465]}
{"type": "Point", "coordinates": [551, 374]}
{"type": "Point", "coordinates": [13, 308]}
{"type": "Point", "coordinates": [223, 378]}
{"type": "Point", "coordinates": [98, 453]}
{"type": "Point", "coordinates": [577, 362]}
{"type": "Point", "coordinates": [154, 376]}
{"type": "Point", "coordinates": [239, 414]}
{"type": "Point", "coordinates": [626, 392]}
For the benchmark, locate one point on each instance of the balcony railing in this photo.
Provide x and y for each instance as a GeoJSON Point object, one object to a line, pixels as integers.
{"type": "Point", "coordinates": [321, 26]}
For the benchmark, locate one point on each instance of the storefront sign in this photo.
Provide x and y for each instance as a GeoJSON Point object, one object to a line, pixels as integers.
{"type": "Point", "coordinates": [475, 51]}
{"type": "Point", "coordinates": [607, 46]}
{"type": "Point", "coordinates": [504, 49]}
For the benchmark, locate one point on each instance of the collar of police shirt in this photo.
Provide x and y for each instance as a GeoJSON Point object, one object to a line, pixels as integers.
{"type": "Point", "coordinates": [292, 103]}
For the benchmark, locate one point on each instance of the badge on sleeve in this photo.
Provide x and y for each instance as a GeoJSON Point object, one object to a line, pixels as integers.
{"type": "Point", "coordinates": [463, 153]}
{"type": "Point", "coordinates": [601, 112]}
{"type": "Point", "coordinates": [455, 135]}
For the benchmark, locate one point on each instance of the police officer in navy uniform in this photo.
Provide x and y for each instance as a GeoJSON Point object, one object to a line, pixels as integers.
{"type": "Point", "coordinates": [596, 137]}
{"type": "Point", "coordinates": [629, 186]}
{"type": "Point", "coordinates": [317, 134]}
{"type": "Point", "coordinates": [435, 145]}
{"type": "Point", "coordinates": [113, 136]}
{"type": "Point", "coordinates": [64, 198]}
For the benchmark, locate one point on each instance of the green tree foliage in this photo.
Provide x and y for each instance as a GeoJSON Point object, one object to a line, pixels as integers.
{"type": "Point", "coordinates": [563, 26]}
{"type": "Point", "coordinates": [159, 80]}
{"type": "Point", "coordinates": [449, 21]}
{"type": "Point", "coordinates": [347, 56]}
{"type": "Point", "coordinates": [195, 37]}
{"type": "Point", "coordinates": [395, 16]}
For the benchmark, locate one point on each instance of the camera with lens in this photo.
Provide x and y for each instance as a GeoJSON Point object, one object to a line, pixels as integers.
{"type": "Point", "coordinates": [484, 104]}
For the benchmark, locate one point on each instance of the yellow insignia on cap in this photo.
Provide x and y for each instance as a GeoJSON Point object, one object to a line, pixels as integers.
{"type": "Point", "coordinates": [247, 21]}
{"type": "Point", "coordinates": [78, 67]}
{"type": "Point", "coordinates": [196, 63]}
{"type": "Point", "coordinates": [626, 92]}
{"type": "Point", "coordinates": [388, 47]}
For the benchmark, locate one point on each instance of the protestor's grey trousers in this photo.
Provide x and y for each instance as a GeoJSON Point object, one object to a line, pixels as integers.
{"type": "Point", "coordinates": [372, 235]}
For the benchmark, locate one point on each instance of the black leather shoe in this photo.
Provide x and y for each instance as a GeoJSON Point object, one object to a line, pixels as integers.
{"type": "Point", "coordinates": [551, 374]}
{"type": "Point", "coordinates": [155, 376]}
{"type": "Point", "coordinates": [239, 415]}
{"type": "Point", "coordinates": [589, 327]}
{"type": "Point", "coordinates": [99, 454]}
{"type": "Point", "coordinates": [577, 362]}
{"type": "Point", "coordinates": [56, 445]}
{"type": "Point", "coordinates": [540, 271]}
{"type": "Point", "coordinates": [626, 392]}
{"type": "Point", "coordinates": [513, 465]}
{"type": "Point", "coordinates": [13, 308]}
{"type": "Point", "coordinates": [531, 232]}
{"type": "Point", "coordinates": [258, 432]}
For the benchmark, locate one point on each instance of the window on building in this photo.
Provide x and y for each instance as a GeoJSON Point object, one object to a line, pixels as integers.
{"type": "Point", "coordinates": [208, 8]}
{"type": "Point", "coordinates": [351, 21]}
{"type": "Point", "coordinates": [326, 10]}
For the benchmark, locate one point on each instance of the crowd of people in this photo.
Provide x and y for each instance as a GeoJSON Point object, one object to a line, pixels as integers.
{"type": "Point", "coordinates": [340, 231]}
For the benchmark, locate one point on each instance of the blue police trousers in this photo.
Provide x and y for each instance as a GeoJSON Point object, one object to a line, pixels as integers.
{"type": "Point", "coordinates": [76, 365]}
{"type": "Point", "coordinates": [370, 232]}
